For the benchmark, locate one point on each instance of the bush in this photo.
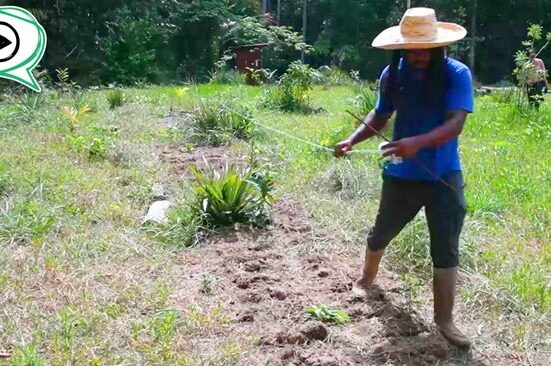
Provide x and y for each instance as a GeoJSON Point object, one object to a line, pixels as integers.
{"type": "Point", "coordinates": [116, 98]}
{"type": "Point", "coordinates": [293, 92]}
{"type": "Point", "coordinates": [27, 107]}
{"type": "Point", "coordinates": [228, 197]}
{"type": "Point", "coordinates": [94, 143]}
{"type": "Point", "coordinates": [217, 122]}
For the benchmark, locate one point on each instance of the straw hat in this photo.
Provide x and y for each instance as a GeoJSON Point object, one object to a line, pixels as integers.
{"type": "Point", "coordinates": [419, 28]}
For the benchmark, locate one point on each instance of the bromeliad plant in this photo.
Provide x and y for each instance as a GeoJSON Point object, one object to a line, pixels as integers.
{"type": "Point", "coordinates": [217, 122]}
{"type": "Point", "coordinates": [229, 197]}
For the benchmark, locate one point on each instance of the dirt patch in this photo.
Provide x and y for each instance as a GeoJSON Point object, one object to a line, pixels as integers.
{"type": "Point", "coordinates": [265, 280]}
{"type": "Point", "coordinates": [267, 292]}
{"type": "Point", "coordinates": [181, 159]}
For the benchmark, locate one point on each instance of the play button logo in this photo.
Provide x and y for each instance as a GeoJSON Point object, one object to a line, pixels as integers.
{"type": "Point", "coordinates": [4, 42]}
{"type": "Point", "coordinates": [22, 45]}
{"type": "Point", "coordinates": [9, 42]}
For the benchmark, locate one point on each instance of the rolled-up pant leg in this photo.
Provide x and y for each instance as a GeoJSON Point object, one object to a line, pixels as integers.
{"type": "Point", "coordinates": [401, 200]}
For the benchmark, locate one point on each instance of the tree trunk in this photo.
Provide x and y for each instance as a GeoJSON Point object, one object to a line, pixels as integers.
{"type": "Point", "coordinates": [304, 27]}
{"type": "Point", "coordinates": [472, 56]}
{"type": "Point", "coordinates": [278, 12]}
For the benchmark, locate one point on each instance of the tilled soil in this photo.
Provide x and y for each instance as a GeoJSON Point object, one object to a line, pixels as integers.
{"type": "Point", "coordinates": [267, 279]}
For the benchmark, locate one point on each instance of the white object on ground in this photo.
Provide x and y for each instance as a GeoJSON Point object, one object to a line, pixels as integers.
{"type": "Point", "coordinates": [157, 212]}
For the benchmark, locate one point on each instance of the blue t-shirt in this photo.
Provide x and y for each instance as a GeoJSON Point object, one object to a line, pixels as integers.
{"type": "Point", "coordinates": [415, 115]}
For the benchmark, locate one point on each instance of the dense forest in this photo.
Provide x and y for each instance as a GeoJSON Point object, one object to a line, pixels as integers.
{"type": "Point", "coordinates": [161, 41]}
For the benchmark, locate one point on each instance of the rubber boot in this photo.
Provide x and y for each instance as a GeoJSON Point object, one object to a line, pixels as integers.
{"type": "Point", "coordinates": [444, 282]}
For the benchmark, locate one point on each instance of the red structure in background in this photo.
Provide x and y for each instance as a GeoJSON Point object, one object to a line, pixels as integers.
{"type": "Point", "coordinates": [249, 59]}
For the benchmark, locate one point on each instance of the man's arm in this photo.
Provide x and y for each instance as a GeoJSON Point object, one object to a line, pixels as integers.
{"type": "Point", "coordinates": [362, 133]}
{"type": "Point", "coordinates": [450, 129]}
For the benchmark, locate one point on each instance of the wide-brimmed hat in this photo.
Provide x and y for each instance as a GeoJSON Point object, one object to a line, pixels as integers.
{"type": "Point", "coordinates": [419, 28]}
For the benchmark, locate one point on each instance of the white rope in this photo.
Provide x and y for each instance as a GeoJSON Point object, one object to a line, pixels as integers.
{"type": "Point", "coordinates": [299, 139]}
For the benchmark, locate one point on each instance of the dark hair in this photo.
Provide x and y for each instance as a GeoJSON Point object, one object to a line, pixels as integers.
{"type": "Point", "coordinates": [436, 78]}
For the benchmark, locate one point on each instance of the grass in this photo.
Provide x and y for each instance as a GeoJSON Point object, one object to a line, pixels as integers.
{"type": "Point", "coordinates": [84, 283]}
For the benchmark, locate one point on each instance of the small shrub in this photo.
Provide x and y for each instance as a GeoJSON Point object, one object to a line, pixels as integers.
{"type": "Point", "coordinates": [95, 143]}
{"type": "Point", "coordinates": [217, 122]}
{"type": "Point", "coordinates": [207, 284]}
{"type": "Point", "coordinates": [116, 98]}
{"type": "Point", "coordinates": [293, 91]}
{"type": "Point", "coordinates": [63, 75]}
{"type": "Point", "coordinates": [27, 107]}
{"type": "Point", "coordinates": [74, 114]}
{"type": "Point", "coordinates": [327, 315]}
{"type": "Point", "coordinates": [227, 198]}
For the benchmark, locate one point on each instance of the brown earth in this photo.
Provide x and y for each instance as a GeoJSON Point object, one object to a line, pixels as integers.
{"type": "Point", "coordinates": [265, 280]}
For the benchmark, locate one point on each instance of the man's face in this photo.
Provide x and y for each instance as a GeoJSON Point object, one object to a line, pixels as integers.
{"type": "Point", "coordinates": [420, 59]}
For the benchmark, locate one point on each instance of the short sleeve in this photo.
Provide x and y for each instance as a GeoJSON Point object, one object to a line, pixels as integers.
{"type": "Point", "coordinates": [384, 102]}
{"type": "Point", "coordinates": [460, 93]}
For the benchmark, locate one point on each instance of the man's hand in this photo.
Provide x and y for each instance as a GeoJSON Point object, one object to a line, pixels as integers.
{"type": "Point", "coordinates": [342, 148]}
{"type": "Point", "coordinates": [404, 148]}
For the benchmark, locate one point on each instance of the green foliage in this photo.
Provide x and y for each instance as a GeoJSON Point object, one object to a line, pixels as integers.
{"type": "Point", "coordinates": [134, 49]}
{"type": "Point", "coordinates": [293, 92]}
{"type": "Point", "coordinates": [225, 76]}
{"type": "Point", "coordinates": [116, 98]}
{"type": "Point", "coordinates": [283, 42]}
{"type": "Point", "coordinates": [218, 121]}
{"type": "Point", "coordinates": [27, 107]}
{"type": "Point", "coordinates": [365, 101]}
{"type": "Point", "coordinates": [25, 222]}
{"type": "Point", "coordinates": [95, 142]}
{"type": "Point", "coordinates": [74, 114]}
{"type": "Point", "coordinates": [327, 315]}
{"type": "Point", "coordinates": [63, 76]}
{"type": "Point", "coordinates": [26, 356]}
{"type": "Point", "coordinates": [525, 70]}
{"type": "Point", "coordinates": [228, 197]}
{"type": "Point", "coordinates": [207, 284]}
{"type": "Point", "coordinates": [183, 228]}
{"type": "Point", "coordinates": [333, 76]}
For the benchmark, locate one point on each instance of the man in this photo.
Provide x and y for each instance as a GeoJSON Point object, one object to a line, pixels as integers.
{"type": "Point", "coordinates": [432, 95]}
{"type": "Point", "coordinates": [538, 80]}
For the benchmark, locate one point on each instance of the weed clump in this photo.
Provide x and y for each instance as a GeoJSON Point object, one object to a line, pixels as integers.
{"type": "Point", "coordinates": [116, 98]}
{"type": "Point", "coordinates": [215, 123]}
{"type": "Point", "coordinates": [293, 91]}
